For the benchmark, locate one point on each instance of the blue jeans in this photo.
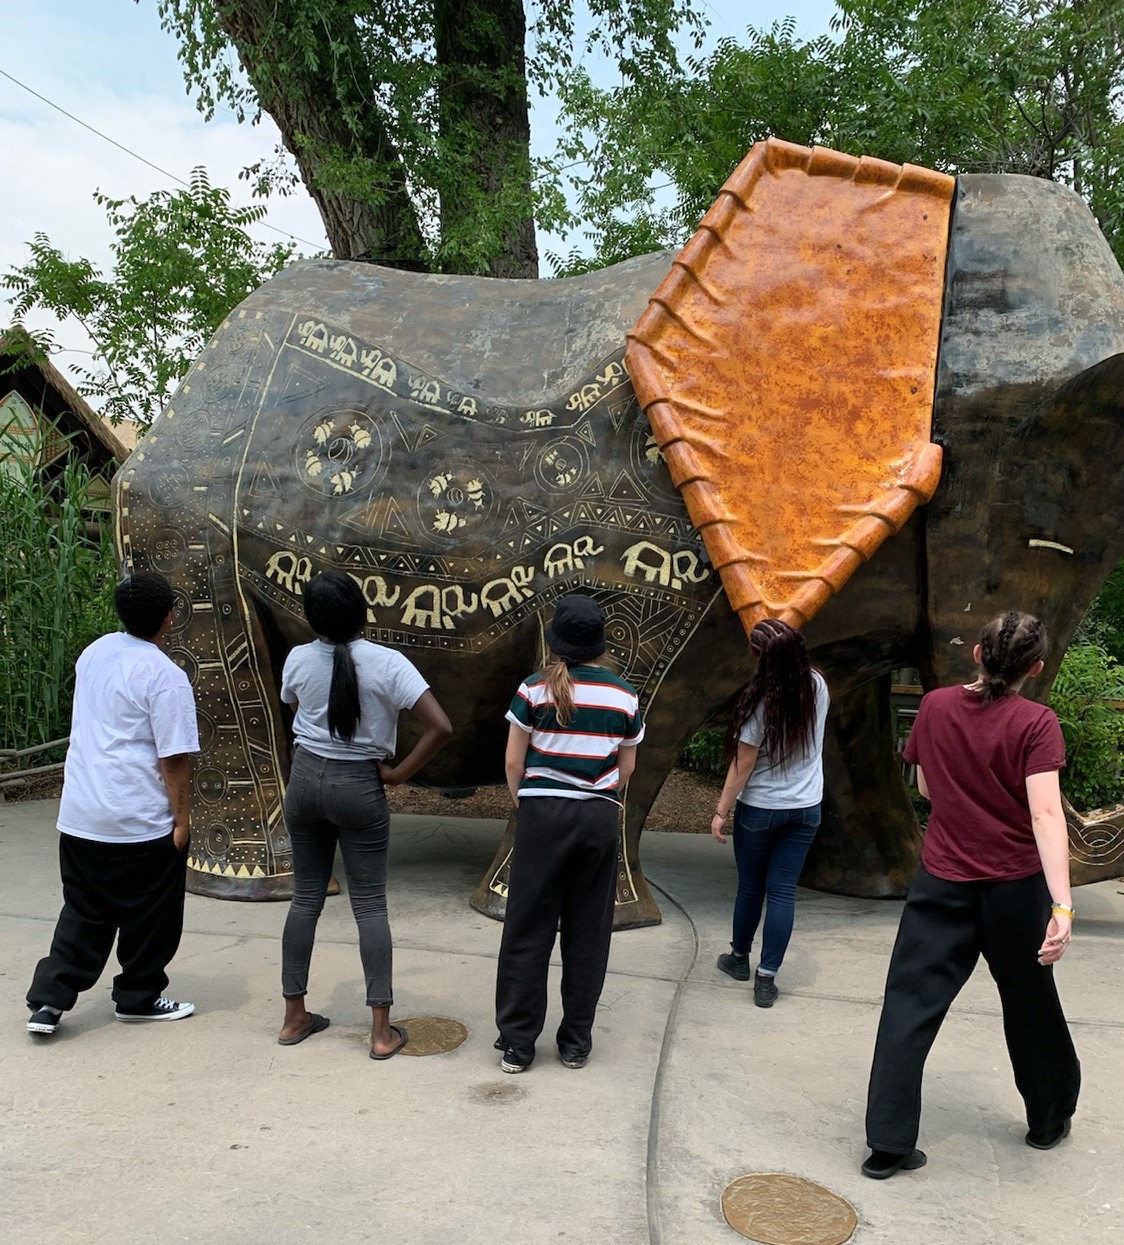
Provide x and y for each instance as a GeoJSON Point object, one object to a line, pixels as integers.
{"type": "Point", "coordinates": [329, 802]}
{"type": "Point", "coordinates": [770, 845]}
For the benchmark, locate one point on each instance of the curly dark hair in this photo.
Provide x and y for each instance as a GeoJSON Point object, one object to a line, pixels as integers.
{"type": "Point", "coordinates": [783, 683]}
{"type": "Point", "coordinates": [1009, 646]}
{"type": "Point", "coordinates": [142, 602]}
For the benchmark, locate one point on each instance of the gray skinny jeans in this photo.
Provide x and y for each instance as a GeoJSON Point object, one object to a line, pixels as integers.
{"type": "Point", "coordinates": [328, 802]}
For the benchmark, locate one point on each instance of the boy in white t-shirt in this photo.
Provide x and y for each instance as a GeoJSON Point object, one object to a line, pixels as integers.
{"type": "Point", "coordinates": [124, 818]}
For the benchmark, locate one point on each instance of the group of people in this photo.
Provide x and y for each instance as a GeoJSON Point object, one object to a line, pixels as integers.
{"type": "Point", "coordinates": [994, 876]}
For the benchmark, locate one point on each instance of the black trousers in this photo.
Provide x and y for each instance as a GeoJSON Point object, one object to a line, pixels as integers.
{"type": "Point", "coordinates": [563, 871]}
{"type": "Point", "coordinates": [132, 892]}
{"type": "Point", "coordinates": [944, 929]}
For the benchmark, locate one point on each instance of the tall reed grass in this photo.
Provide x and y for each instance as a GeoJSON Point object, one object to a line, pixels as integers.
{"type": "Point", "coordinates": [57, 576]}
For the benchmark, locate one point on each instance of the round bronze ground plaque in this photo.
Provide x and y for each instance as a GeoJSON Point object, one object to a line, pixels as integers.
{"type": "Point", "coordinates": [432, 1035]}
{"type": "Point", "coordinates": [787, 1210]}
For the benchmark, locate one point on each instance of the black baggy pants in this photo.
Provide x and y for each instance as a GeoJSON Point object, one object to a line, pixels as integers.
{"type": "Point", "coordinates": [133, 892]}
{"type": "Point", "coordinates": [945, 927]}
{"type": "Point", "coordinates": [563, 870]}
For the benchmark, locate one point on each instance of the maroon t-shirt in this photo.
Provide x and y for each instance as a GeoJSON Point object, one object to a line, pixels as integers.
{"type": "Point", "coordinates": [976, 759]}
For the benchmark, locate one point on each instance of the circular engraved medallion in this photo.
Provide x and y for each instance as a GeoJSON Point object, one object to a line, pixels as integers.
{"type": "Point", "coordinates": [787, 1210]}
{"type": "Point", "coordinates": [432, 1035]}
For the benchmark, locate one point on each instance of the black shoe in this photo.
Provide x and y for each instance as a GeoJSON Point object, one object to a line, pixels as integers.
{"type": "Point", "coordinates": [734, 965]}
{"type": "Point", "coordinates": [514, 1062]}
{"type": "Point", "coordinates": [1047, 1141]}
{"type": "Point", "coordinates": [43, 1021]}
{"type": "Point", "coordinates": [764, 991]}
{"type": "Point", "coordinates": [162, 1009]}
{"type": "Point", "coordinates": [883, 1163]}
{"type": "Point", "coordinates": [573, 1058]}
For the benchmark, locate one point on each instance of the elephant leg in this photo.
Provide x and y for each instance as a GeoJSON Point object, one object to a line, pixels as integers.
{"type": "Point", "coordinates": [869, 841]}
{"type": "Point", "coordinates": [634, 908]}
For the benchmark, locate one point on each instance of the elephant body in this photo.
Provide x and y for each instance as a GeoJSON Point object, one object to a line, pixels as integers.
{"type": "Point", "coordinates": [470, 450]}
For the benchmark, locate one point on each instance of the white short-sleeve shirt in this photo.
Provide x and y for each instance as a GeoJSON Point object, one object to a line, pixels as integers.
{"type": "Point", "coordinates": [797, 784]}
{"type": "Point", "coordinates": [388, 683]}
{"type": "Point", "coordinates": [132, 706]}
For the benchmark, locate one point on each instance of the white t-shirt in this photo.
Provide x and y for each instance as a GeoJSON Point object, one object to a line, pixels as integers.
{"type": "Point", "coordinates": [799, 783]}
{"type": "Point", "coordinates": [132, 705]}
{"type": "Point", "coordinates": [388, 683]}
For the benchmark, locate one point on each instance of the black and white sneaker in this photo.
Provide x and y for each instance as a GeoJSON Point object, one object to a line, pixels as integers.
{"type": "Point", "coordinates": [43, 1021]}
{"type": "Point", "coordinates": [162, 1009]}
{"type": "Point", "coordinates": [573, 1058]}
{"type": "Point", "coordinates": [514, 1062]}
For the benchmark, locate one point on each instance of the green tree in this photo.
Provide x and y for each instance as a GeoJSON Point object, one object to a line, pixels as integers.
{"type": "Point", "coordinates": [181, 261]}
{"type": "Point", "coordinates": [409, 120]}
{"type": "Point", "coordinates": [1012, 86]}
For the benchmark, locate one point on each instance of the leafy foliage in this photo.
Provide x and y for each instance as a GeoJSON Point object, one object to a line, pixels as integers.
{"type": "Point", "coordinates": [409, 119]}
{"type": "Point", "coordinates": [56, 596]}
{"type": "Point", "coordinates": [1012, 86]}
{"type": "Point", "coordinates": [182, 261]}
{"type": "Point", "coordinates": [1088, 683]}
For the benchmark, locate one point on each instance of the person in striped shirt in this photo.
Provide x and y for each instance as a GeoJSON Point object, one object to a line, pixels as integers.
{"type": "Point", "coordinates": [570, 751]}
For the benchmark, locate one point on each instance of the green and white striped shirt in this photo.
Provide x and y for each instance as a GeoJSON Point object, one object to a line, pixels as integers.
{"type": "Point", "coordinates": [578, 760]}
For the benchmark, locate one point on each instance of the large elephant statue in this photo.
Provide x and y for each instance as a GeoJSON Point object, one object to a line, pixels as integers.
{"type": "Point", "coordinates": [472, 449]}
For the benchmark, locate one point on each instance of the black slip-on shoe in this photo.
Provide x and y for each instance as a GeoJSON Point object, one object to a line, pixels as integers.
{"type": "Point", "coordinates": [1047, 1141]}
{"type": "Point", "coordinates": [883, 1163]}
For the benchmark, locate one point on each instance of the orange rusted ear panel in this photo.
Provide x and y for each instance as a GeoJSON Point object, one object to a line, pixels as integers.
{"type": "Point", "coordinates": [787, 366]}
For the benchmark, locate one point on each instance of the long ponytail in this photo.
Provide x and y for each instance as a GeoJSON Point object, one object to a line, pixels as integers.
{"type": "Point", "coordinates": [561, 684]}
{"type": "Point", "coordinates": [343, 695]}
{"type": "Point", "coordinates": [336, 609]}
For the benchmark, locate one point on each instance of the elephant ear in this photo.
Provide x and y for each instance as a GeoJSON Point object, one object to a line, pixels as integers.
{"type": "Point", "coordinates": [787, 367]}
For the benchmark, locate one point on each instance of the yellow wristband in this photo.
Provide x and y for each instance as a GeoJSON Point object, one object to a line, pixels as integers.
{"type": "Point", "coordinates": [1061, 907]}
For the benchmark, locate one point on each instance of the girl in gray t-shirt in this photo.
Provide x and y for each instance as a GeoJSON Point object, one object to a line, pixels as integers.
{"type": "Point", "coordinates": [774, 744]}
{"type": "Point", "coordinates": [347, 693]}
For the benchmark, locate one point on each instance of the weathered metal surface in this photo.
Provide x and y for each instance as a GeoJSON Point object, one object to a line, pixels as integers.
{"type": "Point", "coordinates": [787, 1210]}
{"type": "Point", "coordinates": [432, 1035]}
{"type": "Point", "coordinates": [787, 366]}
{"type": "Point", "coordinates": [470, 450]}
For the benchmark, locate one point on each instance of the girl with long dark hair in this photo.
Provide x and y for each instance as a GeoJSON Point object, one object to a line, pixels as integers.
{"type": "Point", "coordinates": [570, 751]}
{"type": "Point", "coordinates": [774, 782]}
{"type": "Point", "coordinates": [993, 881]}
{"type": "Point", "coordinates": [348, 694]}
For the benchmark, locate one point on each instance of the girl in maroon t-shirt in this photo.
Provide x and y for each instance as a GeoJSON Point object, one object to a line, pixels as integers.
{"type": "Point", "coordinates": [994, 874]}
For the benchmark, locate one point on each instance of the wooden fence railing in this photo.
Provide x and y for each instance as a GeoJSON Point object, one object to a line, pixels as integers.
{"type": "Point", "coordinates": [18, 776]}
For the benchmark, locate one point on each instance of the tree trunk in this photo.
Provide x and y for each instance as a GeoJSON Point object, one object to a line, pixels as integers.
{"type": "Point", "coordinates": [485, 134]}
{"type": "Point", "coordinates": [319, 91]}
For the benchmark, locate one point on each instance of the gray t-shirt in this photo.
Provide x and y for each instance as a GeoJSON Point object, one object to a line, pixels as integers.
{"type": "Point", "coordinates": [388, 683]}
{"type": "Point", "coordinates": [797, 784]}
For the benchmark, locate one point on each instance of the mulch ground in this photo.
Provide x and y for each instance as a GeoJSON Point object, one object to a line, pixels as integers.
{"type": "Point", "coordinates": [685, 803]}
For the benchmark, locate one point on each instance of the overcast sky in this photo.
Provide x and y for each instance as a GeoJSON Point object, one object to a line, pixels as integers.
{"type": "Point", "coordinates": [111, 65]}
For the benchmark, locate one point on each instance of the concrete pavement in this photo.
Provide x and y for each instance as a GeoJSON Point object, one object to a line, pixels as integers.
{"type": "Point", "coordinates": [205, 1131]}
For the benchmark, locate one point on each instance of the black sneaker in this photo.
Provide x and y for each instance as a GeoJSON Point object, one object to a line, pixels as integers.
{"type": "Point", "coordinates": [733, 965]}
{"type": "Point", "coordinates": [512, 1062]}
{"type": "Point", "coordinates": [43, 1021]}
{"type": "Point", "coordinates": [764, 991]}
{"type": "Point", "coordinates": [162, 1009]}
{"type": "Point", "coordinates": [573, 1058]}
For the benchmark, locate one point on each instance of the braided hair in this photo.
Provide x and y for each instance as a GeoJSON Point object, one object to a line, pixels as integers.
{"type": "Point", "coordinates": [783, 684]}
{"type": "Point", "coordinates": [1009, 646]}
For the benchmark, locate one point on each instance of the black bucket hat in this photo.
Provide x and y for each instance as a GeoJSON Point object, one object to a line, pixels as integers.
{"type": "Point", "coordinates": [577, 631]}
